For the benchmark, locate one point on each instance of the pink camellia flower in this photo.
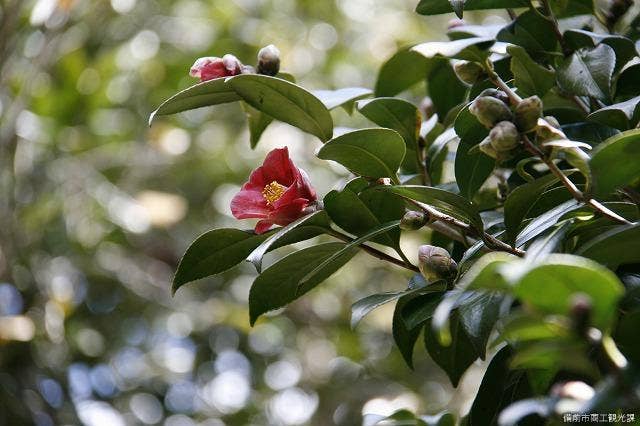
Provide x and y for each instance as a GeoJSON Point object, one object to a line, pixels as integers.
{"type": "Point", "coordinates": [277, 193]}
{"type": "Point", "coordinates": [211, 67]}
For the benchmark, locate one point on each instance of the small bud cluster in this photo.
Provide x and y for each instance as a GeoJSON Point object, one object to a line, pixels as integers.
{"type": "Point", "coordinates": [507, 124]}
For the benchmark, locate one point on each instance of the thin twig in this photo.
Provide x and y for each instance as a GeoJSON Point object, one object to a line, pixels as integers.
{"type": "Point", "coordinates": [491, 241]}
{"type": "Point", "coordinates": [556, 29]}
{"type": "Point", "coordinates": [375, 252]}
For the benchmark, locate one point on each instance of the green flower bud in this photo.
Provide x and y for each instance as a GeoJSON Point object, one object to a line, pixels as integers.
{"type": "Point", "coordinates": [488, 149]}
{"type": "Point", "coordinates": [413, 220]}
{"type": "Point", "coordinates": [495, 93]}
{"type": "Point", "coordinates": [489, 110]}
{"type": "Point", "coordinates": [527, 113]}
{"type": "Point", "coordinates": [504, 136]}
{"type": "Point", "coordinates": [269, 60]}
{"type": "Point", "coordinates": [435, 263]}
{"type": "Point", "coordinates": [468, 72]}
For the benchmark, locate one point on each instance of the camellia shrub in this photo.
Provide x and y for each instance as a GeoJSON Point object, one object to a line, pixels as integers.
{"type": "Point", "coordinates": [534, 246]}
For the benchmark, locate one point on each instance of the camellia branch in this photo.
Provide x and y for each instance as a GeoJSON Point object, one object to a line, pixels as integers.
{"type": "Point", "coordinates": [491, 241]}
{"type": "Point", "coordinates": [375, 252]}
{"type": "Point", "coordinates": [530, 146]}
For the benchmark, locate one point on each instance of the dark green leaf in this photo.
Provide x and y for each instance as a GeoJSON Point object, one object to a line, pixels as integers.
{"type": "Point", "coordinates": [548, 244]}
{"type": "Point", "coordinates": [469, 49]}
{"type": "Point", "coordinates": [342, 97]}
{"type": "Point", "coordinates": [445, 89]}
{"type": "Point", "coordinates": [471, 168]}
{"type": "Point", "coordinates": [258, 122]}
{"type": "Point", "coordinates": [374, 153]}
{"type": "Point", "coordinates": [549, 287]}
{"type": "Point", "coordinates": [591, 133]}
{"type": "Point", "coordinates": [286, 102]}
{"type": "Point", "coordinates": [530, 31]}
{"type": "Point", "coordinates": [401, 71]}
{"type": "Point", "coordinates": [445, 201]}
{"type": "Point", "coordinates": [616, 162]}
{"type": "Point", "coordinates": [520, 201]}
{"type": "Point", "coordinates": [313, 224]}
{"type": "Point", "coordinates": [545, 221]}
{"type": "Point", "coordinates": [455, 358]}
{"type": "Point", "coordinates": [622, 116]}
{"type": "Point", "coordinates": [436, 7]}
{"type": "Point", "coordinates": [478, 314]}
{"type": "Point", "coordinates": [615, 247]}
{"type": "Point", "coordinates": [623, 47]}
{"type": "Point", "coordinates": [404, 336]}
{"type": "Point", "coordinates": [313, 273]}
{"type": "Point", "coordinates": [530, 77]}
{"type": "Point", "coordinates": [214, 252]}
{"type": "Point", "coordinates": [212, 92]}
{"type": "Point", "coordinates": [588, 72]}
{"type": "Point", "coordinates": [396, 114]}
{"type": "Point", "coordinates": [278, 285]}
{"type": "Point", "coordinates": [358, 215]}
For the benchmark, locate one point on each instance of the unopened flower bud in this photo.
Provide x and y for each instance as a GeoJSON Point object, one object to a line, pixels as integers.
{"type": "Point", "coordinates": [468, 72]}
{"type": "Point", "coordinates": [269, 60]}
{"type": "Point", "coordinates": [527, 113]}
{"type": "Point", "coordinates": [504, 136]}
{"type": "Point", "coordinates": [489, 110]}
{"type": "Point", "coordinates": [495, 93]}
{"type": "Point", "coordinates": [580, 312]}
{"type": "Point", "coordinates": [435, 263]}
{"type": "Point", "coordinates": [413, 220]}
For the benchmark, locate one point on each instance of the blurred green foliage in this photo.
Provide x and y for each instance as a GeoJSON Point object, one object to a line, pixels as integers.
{"type": "Point", "coordinates": [96, 208]}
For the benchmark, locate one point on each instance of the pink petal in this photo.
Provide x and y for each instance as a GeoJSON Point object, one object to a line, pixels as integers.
{"type": "Point", "coordinates": [278, 167]}
{"type": "Point", "coordinates": [263, 226]}
{"type": "Point", "coordinates": [249, 204]}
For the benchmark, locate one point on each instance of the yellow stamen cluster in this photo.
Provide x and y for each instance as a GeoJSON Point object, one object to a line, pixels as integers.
{"type": "Point", "coordinates": [273, 192]}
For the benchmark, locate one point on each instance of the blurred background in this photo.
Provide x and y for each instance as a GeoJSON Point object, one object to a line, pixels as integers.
{"type": "Point", "coordinates": [96, 209]}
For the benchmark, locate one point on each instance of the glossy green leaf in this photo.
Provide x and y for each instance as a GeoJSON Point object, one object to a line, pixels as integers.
{"type": "Point", "coordinates": [312, 274]}
{"type": "Point", "coordinates": [278, 285]}
{"type": "Point", "coordinates": [404, 336]}
{"type": "Point", "coordinates": [359, 214]}
{"type": "Point", "coordinates": [470, 49]}
{"type": "Point", "coordinates": [623, 46]}
{"type": "Point", "coordinates": [214, 252]}
{"type": "Point", "coordinates": [616, 162]}
{"type": "Point", "coordinates": [549, 287]}
{"type": "Point", "coordinates": [548, 244]}
{"type": "Point", "coordinates": [286, 102]}
{"type": "Point", "coordinates": [404, 69]}
{"type": "Point", "coordinates": [396, 114]}
{"type": "Point", "coordinates": [374, 153]}
{"type": "Point", "coordinates": [445, 201]}
{"type": "Point", "coordinates": [258, 123]}
{"type": "Point", "coordinates": [520, 201]}
{"type": "Point", "coordinates": [479, 314]}
{"type": "Point", "coordinates": [617, 246]}
{"type": "Point", "coordinates": [212, 92]}
{"type": "Point", "coordinates": [530, 31]}
{"type": "Point", "coordinates": [445, 89]}
{"type": "Point", "coordinates": [342, 97]}
{"type": "Point", "coordinates": [588, 72]}
{"type": "Point", "coordinates": [471, 168]}
{"type": "Point", "coordinates": [313, 224]}
{"type": "Point", "coordinates": [622, 115]}
{"type": "Point", "coordinates": [455, 358]}
{"type": "Point", "coordinates": [545, 221]}
{"type": "Point", "coordinates": [436, 7]}
{"type": "Point", "coordinates": [530, 77]}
